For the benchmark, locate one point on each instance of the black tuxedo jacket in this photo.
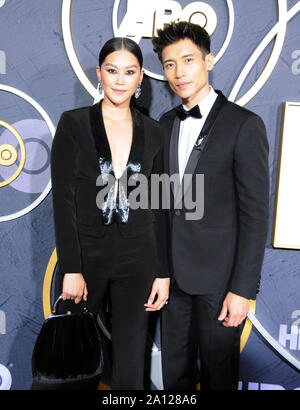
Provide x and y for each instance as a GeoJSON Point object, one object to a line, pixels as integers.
{"type": "Point", "coordinates": [223, 251]}
{"type": "Point", "coordinates": [80, 140]}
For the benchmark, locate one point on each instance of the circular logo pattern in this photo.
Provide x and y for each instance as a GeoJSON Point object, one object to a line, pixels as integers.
{"type": "Point", "coordinates": [24, 160]}
{"type": "Point", "coordinates": [35, 164]}
{"type": "Point", "coordinates": [9, 154]}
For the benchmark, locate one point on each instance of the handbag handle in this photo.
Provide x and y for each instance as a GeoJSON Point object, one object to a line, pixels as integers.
{"type": "Point", "coordinates": [84, 308]}
{"type": "Point", "coordinates": [55, 304]}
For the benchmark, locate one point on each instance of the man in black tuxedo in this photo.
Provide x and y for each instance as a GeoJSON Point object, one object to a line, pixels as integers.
{"type": "Point", "coordinates": [216, 260]}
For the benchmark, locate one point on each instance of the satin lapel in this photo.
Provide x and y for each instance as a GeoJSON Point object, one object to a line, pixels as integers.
{"type": "Point", "coordinates": [173, 155]}
{"type": "Point", "coordinates": [206, 133]}
{"type": "Point", "coordinates": [166, 126]}
{"type": "Point", "coordinates": [166, 151]}
{"type": "Point", "coordinates": [138, 139]}
{"type": "Point", "coordinates": [101, 142]}
{"type": "Point", "coordinates": [169, 128]}
{"type": "Point", "coordinates": [98, 130]}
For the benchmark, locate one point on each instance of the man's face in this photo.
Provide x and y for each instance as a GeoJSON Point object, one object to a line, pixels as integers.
{"type": "Point", "coordinates": [187, 71]}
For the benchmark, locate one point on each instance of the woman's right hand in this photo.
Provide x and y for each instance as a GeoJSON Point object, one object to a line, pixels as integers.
{"type": "Point", "coordinates": [74, 287]}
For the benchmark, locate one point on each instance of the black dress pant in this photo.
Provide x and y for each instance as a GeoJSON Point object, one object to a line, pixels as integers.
{"type": "Point", "coordinates": [188, 323]}
{"type": "Point", "coordinates": [123, 269]}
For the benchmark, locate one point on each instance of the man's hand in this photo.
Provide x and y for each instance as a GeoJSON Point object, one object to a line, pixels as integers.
{"type": "Point", "coordinates": [160, 288]}
{"type": "Point", "coordinates": [234, 311]}
{"type": "Point", "coordinates": [74, 287]}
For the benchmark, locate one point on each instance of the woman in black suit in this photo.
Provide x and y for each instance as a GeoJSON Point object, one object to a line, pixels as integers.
{"type": "Point", "coordinates": [104, 243]}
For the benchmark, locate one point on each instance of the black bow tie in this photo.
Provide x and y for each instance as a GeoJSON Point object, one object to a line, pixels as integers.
{"type": "Point", "coordinates": [183, 114]}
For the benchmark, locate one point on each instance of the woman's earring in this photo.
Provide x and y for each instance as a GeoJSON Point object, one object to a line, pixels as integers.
{"type": "Point", "coordinates": [138, 91]}
{"type": "Point", "coordinates": [99, 87]}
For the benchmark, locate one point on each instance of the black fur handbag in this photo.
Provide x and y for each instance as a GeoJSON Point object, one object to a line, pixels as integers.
{"type": "Point", "coordinates": [68, 353]}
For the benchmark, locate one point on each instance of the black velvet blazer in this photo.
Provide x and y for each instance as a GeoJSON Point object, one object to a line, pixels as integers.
{"type": "Point", "coordinates": [79, 147]}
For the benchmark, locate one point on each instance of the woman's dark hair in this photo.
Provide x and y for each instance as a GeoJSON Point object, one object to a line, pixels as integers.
{"type": "Point", "coordinates": [173, 32]}
{"type": "Point", "coordinates": [119, 43]}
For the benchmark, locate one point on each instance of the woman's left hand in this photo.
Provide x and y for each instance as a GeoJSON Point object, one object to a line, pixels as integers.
{"type": "Point", "coordinates": [160, 288]}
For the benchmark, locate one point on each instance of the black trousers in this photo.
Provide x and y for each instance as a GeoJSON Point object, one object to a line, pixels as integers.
{"type": "Point", "coordinates": [190, 323]}
{"type": "Point", "coordinates": [122, 269]}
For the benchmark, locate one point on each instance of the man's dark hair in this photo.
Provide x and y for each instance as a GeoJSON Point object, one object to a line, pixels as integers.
{"type": "Point", "coordinates": [173, 32]}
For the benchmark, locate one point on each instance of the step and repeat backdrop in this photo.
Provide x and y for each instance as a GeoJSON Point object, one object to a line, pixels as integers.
{"type": "Point", "coordinates": [48, 55]}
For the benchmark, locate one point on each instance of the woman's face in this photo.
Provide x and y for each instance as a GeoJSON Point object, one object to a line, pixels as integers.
{"type": "Point", "coordinates": [120, 74]}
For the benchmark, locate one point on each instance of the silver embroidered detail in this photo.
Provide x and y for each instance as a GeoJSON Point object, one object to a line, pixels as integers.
{"type": "Point", "coordinates": [117, 210]}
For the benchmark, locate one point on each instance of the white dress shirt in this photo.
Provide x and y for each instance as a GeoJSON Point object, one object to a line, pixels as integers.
{"type": "Point", "coordinates": [190, 129]}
